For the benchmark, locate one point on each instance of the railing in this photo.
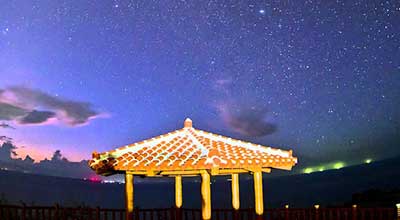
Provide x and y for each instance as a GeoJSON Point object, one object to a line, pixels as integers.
{"type": "Point", "coordinates": [12, 212]}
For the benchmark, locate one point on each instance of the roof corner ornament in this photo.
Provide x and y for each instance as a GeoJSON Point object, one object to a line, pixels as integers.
{"type": "Point", "coordinates": [95, 155]}
{"type": "Point", "coordinates": [188, 123]}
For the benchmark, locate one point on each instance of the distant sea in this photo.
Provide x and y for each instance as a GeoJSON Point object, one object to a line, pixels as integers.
{"type": "Point", "coordinates": [334, 187]}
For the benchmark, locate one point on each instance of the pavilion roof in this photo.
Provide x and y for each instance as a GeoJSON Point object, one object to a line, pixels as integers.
{"type": "Point", "coordinates": [190, 150]}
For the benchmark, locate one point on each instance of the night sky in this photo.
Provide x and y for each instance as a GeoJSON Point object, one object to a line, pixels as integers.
{"type": "Point", "coordinates": [319, 77]}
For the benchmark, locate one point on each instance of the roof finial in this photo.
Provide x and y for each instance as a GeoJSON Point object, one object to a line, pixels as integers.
{"type": "Point", "coordinates": [188, 123]}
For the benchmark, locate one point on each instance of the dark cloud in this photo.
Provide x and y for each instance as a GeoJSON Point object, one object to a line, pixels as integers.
{"type": "Point", "coordinates": [10, 112]}
{"type": "Point", "coordinates": [245, 117]}
{"type": "Point", "coordinates": [29, 106]}
{"type": "Point", "coordinates": [5, 125]}
{"type": "Point", "coordinates": [57, 166]}
{"type": "Point", "coordinates": [247, 121]}
{"type": "Point", "coordinates": [5, 138]}
{"type": "Point", "coordinates": [37, 117]}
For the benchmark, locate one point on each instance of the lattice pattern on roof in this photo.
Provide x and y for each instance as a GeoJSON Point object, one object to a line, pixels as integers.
{"type": "Point", "coordinates": [190, 149]}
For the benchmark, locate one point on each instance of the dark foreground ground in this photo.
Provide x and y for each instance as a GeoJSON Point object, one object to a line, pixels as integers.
{"type": "Point", "coordinates": [334, 187]}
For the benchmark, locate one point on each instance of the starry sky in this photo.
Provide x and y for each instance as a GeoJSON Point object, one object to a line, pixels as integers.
{"type": "Point", "coordinates": [319, 77]}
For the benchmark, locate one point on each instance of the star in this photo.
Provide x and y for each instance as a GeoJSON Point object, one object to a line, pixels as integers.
{"type": "Point", "coordinates": [5, 31]}
{"type": "Point", "coordinates": [311, 68]}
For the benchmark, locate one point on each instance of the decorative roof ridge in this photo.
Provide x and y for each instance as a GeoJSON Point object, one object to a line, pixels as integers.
{"type": "Point", "coordinates": [139, 145]}
{"type": "Point", "coordinates": [204, 150]}
{"type": "Point", "coordinates": [248, 145]}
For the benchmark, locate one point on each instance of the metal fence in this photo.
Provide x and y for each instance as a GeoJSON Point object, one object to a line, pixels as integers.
{"type": "Point", "coordinates": [12, 212]}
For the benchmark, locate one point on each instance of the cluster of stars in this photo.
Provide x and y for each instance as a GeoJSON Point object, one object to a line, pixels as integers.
{"type": "Point", "coordinates": [326, 73]}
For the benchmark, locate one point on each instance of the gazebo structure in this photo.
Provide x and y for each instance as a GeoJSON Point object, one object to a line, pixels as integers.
{"type": "Point", "coordinates": [190, 152]}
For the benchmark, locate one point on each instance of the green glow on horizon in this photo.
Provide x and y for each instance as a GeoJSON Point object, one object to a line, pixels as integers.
{"type": "Point", "coordinates": [329, 166]}
{"type": "Point", "coordinates": [308, 170]}
{"type": "Point", "coordinates": [368, 160]}
{"type": "Point", "coordinates": [323, 167]}
{"type": "Point", "coordinates": [332, 166]}
{"type": "Point", "coordinates": [339, 165]}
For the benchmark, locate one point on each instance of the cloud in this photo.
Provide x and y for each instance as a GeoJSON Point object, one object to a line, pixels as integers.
{"type": "Point", "coordinates": [247, 121]}
{"type": "Point", "coordinates": [57, 166]}
{"type": "Point", "coordinates": [37, 117]}
{"type": "Point", "coordinates": [5, 125]}
{"type": "Point", "coordinates": [241, 114]}
{"type": "Point", "coordinates": [4, 138]}
{"type": "Point", "coordinates": [9, 111]}
{"type": "Point", "coordinates": [30, 106]}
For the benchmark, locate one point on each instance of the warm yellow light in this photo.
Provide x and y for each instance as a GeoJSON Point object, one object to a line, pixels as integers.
{"type": "Point", "coordinates": [178, 191]}
{"type": "Point", "coordinates": [338, 165]}
{"type": "Point", "coordinates": [286, 206]}
{"type": "Point", "coordinates": [398, 205]}
{"type": "Point", "coordinates": [316, 206]}
{"type": "Point", "coordinates": [368, 160]}
{"type": "Point", "coordinates": [308, 170]}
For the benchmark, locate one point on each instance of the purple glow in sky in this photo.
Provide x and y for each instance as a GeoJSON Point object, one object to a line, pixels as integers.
{"type": "Point", "coordinates": [319, 78]}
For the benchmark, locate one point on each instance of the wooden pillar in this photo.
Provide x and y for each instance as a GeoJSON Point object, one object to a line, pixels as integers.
{"type": "Point", "coordinates": [354, 212]}
{"type": "Point", "coordinates": [205, 196]}
{"type": "Point", "coordinates": [258, 193]}
{"type": "Point", "coordinates": [398, 211]}
{"type": "Point", "coordinates": [317, 212]}
{"type": "Point", "coordinates": [286, 212]}
{"type": "Point", "coordinates": [129, 195]}
{"type": "Point", "coordinates": [235, 191]}
{"type": "Point", "coordinates": [178, 191]}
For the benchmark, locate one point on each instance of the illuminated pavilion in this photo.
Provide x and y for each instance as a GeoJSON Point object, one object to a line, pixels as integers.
{"type": "Point", "coordinates": [190, 152]}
